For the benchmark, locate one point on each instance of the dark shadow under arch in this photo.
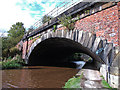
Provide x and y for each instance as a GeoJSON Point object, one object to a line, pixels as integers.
{"type": "Point", "coordinates": [56, 49]}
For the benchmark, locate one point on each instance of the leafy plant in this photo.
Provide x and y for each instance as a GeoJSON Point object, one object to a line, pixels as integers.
{"type": "Point", "coordinates": [46, 18]}
{"type": "Point", "coordinates": [17, 62]}
{"type": "Point", "coordinates": [67, 22]}
{"type": "Point", "coordinates": [54, 28]}
{"type": "Point", "coordinates": [14, 51]}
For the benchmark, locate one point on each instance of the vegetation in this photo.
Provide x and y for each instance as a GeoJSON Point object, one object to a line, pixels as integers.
{"type": "Point", "coordinates": [15, 34]}
{"type": "Point", "coordinates": [10, 63]}
{"type": "Point", "coordinates": [54, 28]}
{"type": "Point", "coordinates": [46, 18]}
{"type": "Point", "coordinates": [11, 56]}
{"type": "Point", "coordinates": [73, 82]}
{"type": "Point", "coordinates": [67, 22]}
{"type": "Point", "coordinates": [30, 29]}
{"type": "Point", "coordinates": [106, 85]}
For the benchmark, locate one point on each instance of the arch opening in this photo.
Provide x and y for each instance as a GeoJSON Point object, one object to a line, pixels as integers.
{"type": "Point", "coordinates": [55, 51]}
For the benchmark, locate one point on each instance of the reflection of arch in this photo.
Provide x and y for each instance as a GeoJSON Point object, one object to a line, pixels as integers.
{"type": "Point", "coordinates": [84, 42]}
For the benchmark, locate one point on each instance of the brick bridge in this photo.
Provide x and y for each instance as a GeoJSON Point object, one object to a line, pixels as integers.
{"type": "Point", "coordinates": [96, 34]}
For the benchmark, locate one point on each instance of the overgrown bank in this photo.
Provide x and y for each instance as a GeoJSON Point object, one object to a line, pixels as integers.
{"type": "Point", "coordinates": [12, 63]}
{"type": "Point", "coordinates": [87, 80]}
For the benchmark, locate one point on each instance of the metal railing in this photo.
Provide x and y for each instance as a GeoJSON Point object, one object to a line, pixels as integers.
{"type": "Point", "coordinates": [62, 7]}
{"type": "Point", "coordinates": [69, 11]}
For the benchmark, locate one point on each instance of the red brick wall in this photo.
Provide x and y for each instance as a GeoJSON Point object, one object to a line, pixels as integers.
{"type": "Point", "coordinates": [103, 23]}
{"type": "Point", "coordinates": [119, 23]}
{"type": "Point", "coordinates": [24, 49]}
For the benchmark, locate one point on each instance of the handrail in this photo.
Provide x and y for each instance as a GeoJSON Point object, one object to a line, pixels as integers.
{"type": "Point", "coordinates": [71, 11]}
{"type": "Point", "coordinates": [62, 7]}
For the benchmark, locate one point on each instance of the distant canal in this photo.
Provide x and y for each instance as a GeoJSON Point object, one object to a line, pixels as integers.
{"type": "Point", "coordinates": [37, 77]}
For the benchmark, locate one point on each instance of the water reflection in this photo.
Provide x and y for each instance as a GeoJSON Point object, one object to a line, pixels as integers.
{"type": "Point", "coordinates": [37, 77]}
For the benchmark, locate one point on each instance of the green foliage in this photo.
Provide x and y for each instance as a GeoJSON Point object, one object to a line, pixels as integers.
{"type": "Point", "coordinates": [105, 84]}
{"type": "Point", "coordinates": [15, 34]}
{"type": "Point", "coordinates": [5, 43]}
{"type": "Point", "coordinates": [73, 82]}
{"type": "Point", "coordinates": [78, 17]}
{"type": "Point", "coordinates": [46, 18]}
{"type": "Point", "coordinates": [75, 57]}
{"type": "Point", "coordinates": [67, 22]}
{"type": "Point", "coordinates": [16, 30]}
{"type": "Point", "coordinates": [14, 51]}
{"type": "Point", "coordinates": [5, 52]}
{"type": "Point", "coordinates": [17, 62]}
{"type": "Point", "coordinates": [10, 65]}
{"type": "Point", "coordinates": [54, 28]}
{"type": "Point", "coordinates": [30, 29]}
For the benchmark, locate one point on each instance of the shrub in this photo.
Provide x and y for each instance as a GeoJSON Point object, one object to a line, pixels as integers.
{"type": "Point", "coordinates": [14, 51]}
{"type": "Point", "coordinates": [5, 53]}
{"type": "Point", "coordinates": [10, 65]}
{"type": "Point", "coordinates": [67, 22]}
{"type": "Point", "coordinates": [16, 62]}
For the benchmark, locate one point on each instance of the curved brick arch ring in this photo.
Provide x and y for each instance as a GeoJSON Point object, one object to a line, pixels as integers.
{"type": "Point", "coordinates": [96, 47]}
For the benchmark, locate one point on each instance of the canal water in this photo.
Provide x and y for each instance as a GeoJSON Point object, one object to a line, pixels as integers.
{"type": "Point", "coordinates": [37, 77]}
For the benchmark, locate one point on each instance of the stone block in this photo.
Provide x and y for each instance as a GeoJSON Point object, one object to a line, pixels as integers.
{"type": "Point", "coordinates": [104, 42]}
{"type": "Point", "coordinates": [114, 81]}
{"type": "Point", "coordinates": [92, 84]}
{"type": "Point", "coordinates": [116, 50]}
{"type": "Point", "coordinates": [86, 40]}
{"type": "Point", "coordinates": [106, 51]}
{"type": "Point", "coordinates": [83, 37]}
{"type": "Point", "coordinates": [80, 33]}
{"type": "Point", "coordinates": [116, 61]}
{"type": "Point", "coordinates": [76, 37]}
{"type": "Point", "coordinates": [70, 34]}
{"type": "Point", "coordinates": [62, 33]}
{"type": "Point", "coordinates": [67, 35]}
{"type": "Point", "coordinates": [115, 71]}
{"type": "Point", "coordinates": [91, 41]}
{"type": "Point", "coordinates": [92, 75]}
{"type": "Point", "coordinates": [53, 34]}
{"type": "Point", "coordinates": [103, 71]}
{"type": "Point", "coordinates": [95, 45]}
{"type": "Point", "coordinates": [49, 35]}
{"type": "Point", "coordinates": [42, 37]}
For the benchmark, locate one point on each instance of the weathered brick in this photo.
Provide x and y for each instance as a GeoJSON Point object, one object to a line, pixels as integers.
{"type": "Point", "coordinates": [103, 23]}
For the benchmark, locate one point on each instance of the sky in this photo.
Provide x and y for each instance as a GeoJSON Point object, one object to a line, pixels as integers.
{"type": "Point", "coordinates": [26, 11]}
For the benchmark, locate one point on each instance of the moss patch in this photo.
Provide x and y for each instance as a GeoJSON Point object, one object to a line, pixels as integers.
{"type": "Point", "coordinates": [73, 82]}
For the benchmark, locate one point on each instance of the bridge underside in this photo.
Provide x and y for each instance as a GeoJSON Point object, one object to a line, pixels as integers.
{"type": "Point", "coordinates": [54, 50]}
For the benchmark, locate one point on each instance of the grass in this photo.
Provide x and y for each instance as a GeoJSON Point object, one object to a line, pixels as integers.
{"type": "Point", "coordinates": [73, 82]}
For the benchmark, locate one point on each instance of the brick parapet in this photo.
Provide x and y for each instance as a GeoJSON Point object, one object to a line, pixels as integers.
{"type": "Point", "coordinates": [103, 23]}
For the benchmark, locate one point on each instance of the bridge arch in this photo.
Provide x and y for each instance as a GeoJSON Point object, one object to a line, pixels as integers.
{"type": "Point", "coordinates": [80, 41]}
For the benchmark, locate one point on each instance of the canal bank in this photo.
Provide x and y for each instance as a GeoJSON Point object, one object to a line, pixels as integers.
{"type": "Point", "coordinates": [88, 77]}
